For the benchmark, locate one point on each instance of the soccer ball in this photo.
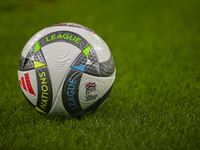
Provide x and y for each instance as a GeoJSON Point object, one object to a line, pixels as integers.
{"type": "Point", "coordinates": [66, 69]}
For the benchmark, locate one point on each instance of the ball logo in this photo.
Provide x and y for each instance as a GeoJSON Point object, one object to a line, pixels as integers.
{"type": "Point", "coordinates": [26, 84]}
{"type": "Point", "coordinates": [91, 90]}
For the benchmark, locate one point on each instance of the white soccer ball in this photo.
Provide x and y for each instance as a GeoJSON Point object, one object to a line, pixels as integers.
{"type": "Point", "coordinates": [66, 69]}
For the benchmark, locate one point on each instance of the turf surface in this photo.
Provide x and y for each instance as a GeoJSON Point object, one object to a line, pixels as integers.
{"type": "Point", "coordinates": [155, 101]}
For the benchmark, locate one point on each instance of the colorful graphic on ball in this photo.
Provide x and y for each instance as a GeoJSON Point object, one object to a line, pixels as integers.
{"type": "Point", "coordinates": [91, 91]}
{"type": "Point", "coordinates": [90, 87]}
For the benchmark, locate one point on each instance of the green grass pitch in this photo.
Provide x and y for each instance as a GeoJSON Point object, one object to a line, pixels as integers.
{"type": "Point", "coordinates": [155, 101]}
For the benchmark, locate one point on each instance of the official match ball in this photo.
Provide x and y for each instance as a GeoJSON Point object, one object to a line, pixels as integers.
{"type": "Point", "coordinates": [66, 69]}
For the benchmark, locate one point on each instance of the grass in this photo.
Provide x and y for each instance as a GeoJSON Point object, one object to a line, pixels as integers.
{"type": "Point", "coordinates": [155, 101]}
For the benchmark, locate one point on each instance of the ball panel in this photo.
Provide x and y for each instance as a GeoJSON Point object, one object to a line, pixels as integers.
{"type": "Point", "coordinates": [80, 60]}
{"type": "Point", "coordinates": [92, 65]}
{"type": "Point", "coordinates": [99, 102]}
{"type": "Point", "coordinates": [59, 57]}
{"type": "Point", "coordinates": [57, 107]}
{"type": "Point", "coordinates": [45, 91]}
{"type": "Point", "coordinates": [39, 57]}
{"type": "Point", "coordinates": [92, 69]}
{"type": "Point", "coordinates": [70, 92]}
{"type": "Point", "coordinates": [88, 60]}
{"type": "Point", "coordinates": [108, 67]}
{"type": "Point", "coordinates": [92, 88]}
